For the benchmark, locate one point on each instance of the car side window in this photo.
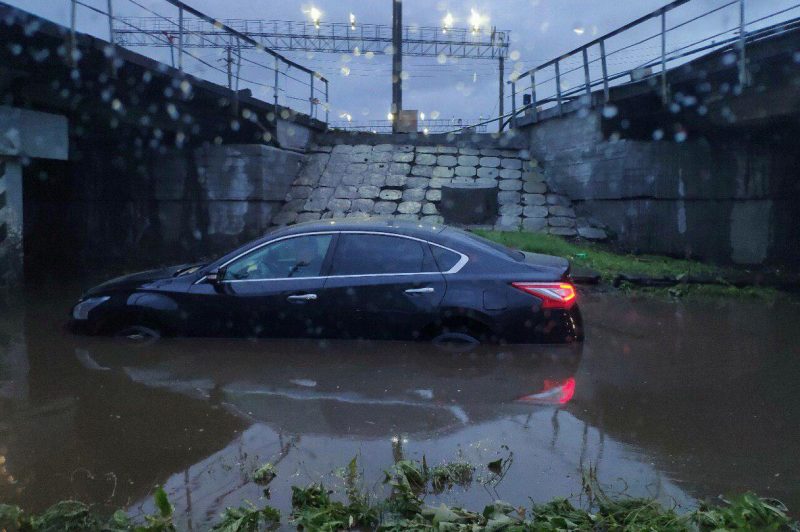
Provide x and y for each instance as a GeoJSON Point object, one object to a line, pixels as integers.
{"type": "Point", "coordinates": [295, 257]}
{"type": "Point", "coordinates": [362, 254]}
{"type": "Point", "coordinates": [445, 258]}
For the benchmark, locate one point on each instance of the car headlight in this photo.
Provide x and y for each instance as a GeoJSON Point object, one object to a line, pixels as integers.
{"type": "Point", "coordinates": [82, 309]}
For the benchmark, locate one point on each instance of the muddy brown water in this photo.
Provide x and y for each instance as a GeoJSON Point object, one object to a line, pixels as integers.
{"type": "Point", "coordinates": [676, 400]}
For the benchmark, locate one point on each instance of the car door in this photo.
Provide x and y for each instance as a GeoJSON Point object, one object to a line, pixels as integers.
{"type": "Point", "coordinates": [273, 290]}
{"type": "Point", "coordinates": [382, 286]}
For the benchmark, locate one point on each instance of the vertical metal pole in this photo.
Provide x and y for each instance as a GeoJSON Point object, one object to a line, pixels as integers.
{"type": "Point", "coordinates": [180, 39]}
{"type": "Point", "coordinates": [110, 22]}
{"type": "Point", "coordinates": [311, 100]}
{"type": "Point", "coordinates": [276, 88]}
{"type": "Point", "coordinates": [606, 95]}
{"type": "Point", "coordinates": [501, 85]}
{"type": "Point", "coordinates": [533, 95]}
{"type": "Point", "coordinates": [586, 77]}
{"type": "Point", "coordinates": [73, 20]}
{"type": "Point", "coordinates": [558, 87]}
{"type": "Point", "coordinates": [397, 61]}
{"type": "Point", "coordinates": [229, 63]}
{"type": "Point", "coordinates": [742, 41]}
{"type": "Point", "coordinates": [664, 95]}
{"type": "Point", "coordinates": [327, 102]}
{"type": "Point", "coordinates": [513, 121]}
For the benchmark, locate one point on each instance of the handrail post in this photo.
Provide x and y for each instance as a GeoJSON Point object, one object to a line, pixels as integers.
{"type": "Point", "coordinates": [110, 22]}
{"type": "Point", "coordinates": [311, 100]}
{"type": "Point", "coordinates": [513, 104]}
{"type": "Point", "coordinates": [605, 70]}
{"type": "Point", "coordinates": [327, 102]}
{"type": "Point", "coordinates": [275, 92]}
{"type": "Point", "coordinates": [664, 95]}
{"type": "Point", "coordinates": [587, 78]}
{"type": "Point", "coordinates": [533, 95]}
{"type": "Point", "coordinates": [180, 38]}
{"type": "Point", "coordinates": [742, 40]}
{"type": "Point", "coordinates": [73, 20]}
{"type": "Point", "coordinates": [558, 87]}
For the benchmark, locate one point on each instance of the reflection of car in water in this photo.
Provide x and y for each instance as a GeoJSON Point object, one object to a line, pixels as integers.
{"type": "Point", "coordinates": [347, 387]}
{"type": "Point", "coordinates": [348, 279]}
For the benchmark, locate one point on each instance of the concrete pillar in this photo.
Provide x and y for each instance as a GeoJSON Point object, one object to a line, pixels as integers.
{"type": "Point", "coordinates": [23, 134]}
{"type": "Point", "coordinates": [11, 255]}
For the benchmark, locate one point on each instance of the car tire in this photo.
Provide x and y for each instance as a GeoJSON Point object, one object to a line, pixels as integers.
{"type": "Point", "coordinates": [139, 334]}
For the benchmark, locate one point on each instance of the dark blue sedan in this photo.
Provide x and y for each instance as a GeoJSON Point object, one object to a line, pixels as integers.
{"type": "Point", "coordinates": [379, 279]}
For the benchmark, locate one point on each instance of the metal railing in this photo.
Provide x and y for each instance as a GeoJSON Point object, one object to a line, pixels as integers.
{"type": "Point", "coordinates": [425, 127]}
{"type": "Point", "coordinates": [648, 56]}
{"type": "Point", "coordinates": [242, 63]}
{"type": "Point", "coordinates": [335, 37]}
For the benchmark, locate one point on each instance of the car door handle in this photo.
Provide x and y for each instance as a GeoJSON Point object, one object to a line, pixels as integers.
{"type": "Point", "coordinates": [426, 290]}
{"type": "Point", "coordinates": [303, 297]}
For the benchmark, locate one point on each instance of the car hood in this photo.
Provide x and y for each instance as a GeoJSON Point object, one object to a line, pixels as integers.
{"type": "Point", "coordinates": [135, 280]}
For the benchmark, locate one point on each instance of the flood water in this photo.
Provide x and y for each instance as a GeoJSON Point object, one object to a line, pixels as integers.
{"type": "Point", "coordinates": [677, 400]}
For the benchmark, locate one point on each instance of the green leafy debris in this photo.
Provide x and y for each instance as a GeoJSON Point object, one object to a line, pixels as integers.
{"type": "Point", "coordinates": [316, 509]}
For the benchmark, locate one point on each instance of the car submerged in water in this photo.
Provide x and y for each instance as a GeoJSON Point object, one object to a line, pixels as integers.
{"type": "Point", "coordinates": [371, 279]}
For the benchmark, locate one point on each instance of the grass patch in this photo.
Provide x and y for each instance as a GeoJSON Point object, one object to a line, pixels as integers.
{"type": "Point", "coordinates": [600, 257]}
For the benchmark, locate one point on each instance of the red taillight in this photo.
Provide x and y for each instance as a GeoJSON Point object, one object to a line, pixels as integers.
{"type": "Point", "coordinates": [553, 295]}
{"type": "Point", "coordinates": [554, 392]}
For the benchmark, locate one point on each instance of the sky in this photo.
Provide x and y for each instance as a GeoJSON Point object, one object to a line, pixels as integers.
{"type": "Point", "coordinates": [361, 86]}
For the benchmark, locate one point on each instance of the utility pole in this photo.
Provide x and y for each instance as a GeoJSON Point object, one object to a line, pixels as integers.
{"type": "Point", "coordinates": [502, 92]}
{"type": "Point", "coordinates": [397, 62]}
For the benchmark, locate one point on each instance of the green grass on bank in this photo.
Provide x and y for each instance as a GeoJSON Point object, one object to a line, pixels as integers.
{"type": "Point", "coordinates": [601, 258]}
{"type": "Point", "coordinates": [409, 483]}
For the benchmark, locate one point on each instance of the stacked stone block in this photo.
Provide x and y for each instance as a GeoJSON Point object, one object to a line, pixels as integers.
{"type": "Point", "coordinates": [405, 181]}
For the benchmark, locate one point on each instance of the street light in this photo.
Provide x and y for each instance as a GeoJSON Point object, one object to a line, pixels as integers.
{"type": "Point", "coordinates": [315, 15]}
{"type": "Point", "coordinates": [476, 20]}
{"type": "Point", "coordinates": [352, 21]}
{"type": "Point", "coordinates": [447, 22]}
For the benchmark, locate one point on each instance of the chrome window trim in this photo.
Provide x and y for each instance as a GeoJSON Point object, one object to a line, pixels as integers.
{"type": "Point", "coordinates": [455, 269]}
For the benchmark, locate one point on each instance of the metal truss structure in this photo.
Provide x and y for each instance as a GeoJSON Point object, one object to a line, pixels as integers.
{"type": "Point", "coordinates": [326, 37]}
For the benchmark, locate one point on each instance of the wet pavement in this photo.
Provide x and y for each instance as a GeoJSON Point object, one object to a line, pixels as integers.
{"type": "Point", "coordinates": [677, 400]}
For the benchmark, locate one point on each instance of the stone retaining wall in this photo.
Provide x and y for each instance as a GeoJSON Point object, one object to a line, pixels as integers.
{"type": "Point", "coordinates": [405, 181]}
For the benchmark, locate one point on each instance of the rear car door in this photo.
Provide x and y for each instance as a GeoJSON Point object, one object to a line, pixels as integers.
{"type": "Point", "coordinates": [383, 286]}
{"type": "Point", "coordinates": [273, 290]}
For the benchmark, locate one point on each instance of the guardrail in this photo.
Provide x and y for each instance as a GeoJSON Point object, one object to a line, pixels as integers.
{"type": "Point", "coordinates": [426, 127]}
{"type": "Point", "coordinates": [592, 62]}
{"type": "Point", "coordinates": [281, 82]}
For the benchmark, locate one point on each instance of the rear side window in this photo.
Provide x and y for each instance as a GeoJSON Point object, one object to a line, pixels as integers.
{"type": "Point", "coordinates": [445, 259]}
{"type": "Point", "coordinates": [361, 254]}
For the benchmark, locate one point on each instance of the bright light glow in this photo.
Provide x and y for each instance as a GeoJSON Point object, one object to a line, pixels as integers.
{"type": "Point", "coordinates": [579, 30]}
{"type": "Point", "coordinates": [425, 131]}
{"type": "Point", "coordinates": [390, 116]}
{"type": "Point", "coordinates": [476, 20]}
{"type": "Point", "coordinates": [553, 393]}
{"type": "Point", "coordinates": [352, 21]}
{"type": "Point", "coordinates": [315, 15]}
{"type": "Point", "coordinates": [447, 22]}
{"type": "Point", "coordinates": [421, 115]}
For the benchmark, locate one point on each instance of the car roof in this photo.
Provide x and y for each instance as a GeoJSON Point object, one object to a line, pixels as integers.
{"type": "Point", "coordinates": [384, 225]}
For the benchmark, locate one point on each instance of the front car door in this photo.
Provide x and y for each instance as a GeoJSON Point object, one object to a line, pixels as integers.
{"type": "Point", "coordinates": [273, 290]}
{"type": "Point", "coordinates": [383, 286]}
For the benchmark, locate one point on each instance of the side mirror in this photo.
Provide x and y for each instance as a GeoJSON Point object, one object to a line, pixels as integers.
{"type": "Point", "coordinates": [217, 276]}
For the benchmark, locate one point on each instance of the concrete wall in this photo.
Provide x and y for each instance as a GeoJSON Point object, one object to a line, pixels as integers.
{"type": "Point", "coordinates": [729, 198]}
{"type": "Point", "coordinates": [221, 196]}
